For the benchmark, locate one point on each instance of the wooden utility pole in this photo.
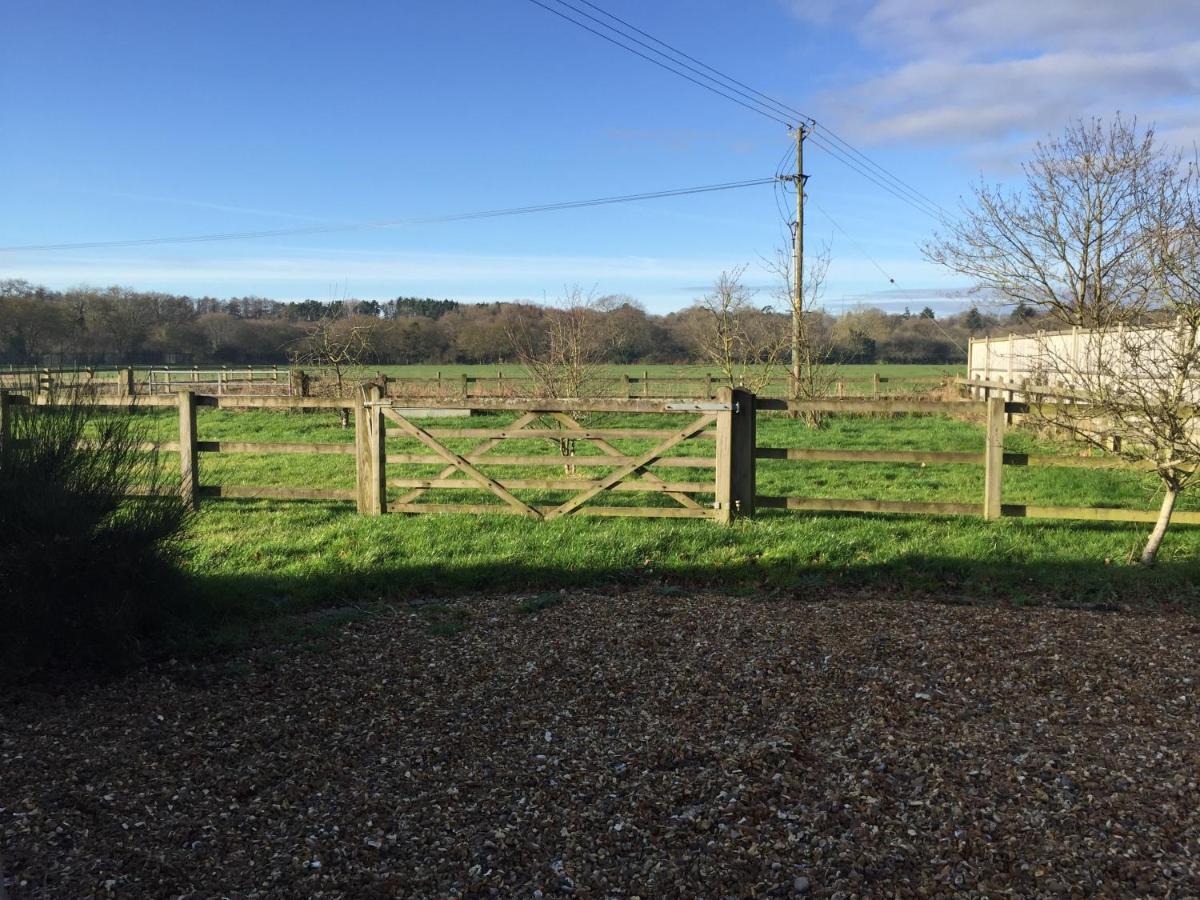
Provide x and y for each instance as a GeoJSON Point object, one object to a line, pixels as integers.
{"type": "Point", "coordinates": [798, 261]}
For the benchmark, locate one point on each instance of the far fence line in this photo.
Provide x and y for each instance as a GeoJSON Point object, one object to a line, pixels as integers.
{"type": "Point", "coordinates": [130, 381]}
{"type": "Point", "coordinates": [645, 385]}
{"type": "Point", "coordinates": [718, 435]}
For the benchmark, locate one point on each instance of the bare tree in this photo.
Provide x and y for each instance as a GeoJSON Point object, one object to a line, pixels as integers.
{"type": "Point", "coordinates": [338, 345]}
{"type": "Point", "coordinates": [564, 350]}
{"type": "Point", "coordinates": [1073, 242]}
{"type": "Point", "coordinates": [813, 375]}
{"type": "Point", "coordinates": [744, 341]}
{"type": "Point", "coordinates": [1106, 238]}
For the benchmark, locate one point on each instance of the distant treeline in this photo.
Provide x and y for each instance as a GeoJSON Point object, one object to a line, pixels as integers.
{"type": "Point", "coordinates": [94, 326]}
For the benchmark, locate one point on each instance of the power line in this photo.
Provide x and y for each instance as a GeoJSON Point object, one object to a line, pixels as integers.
{"type": "Point", "coordinates": [791, 110]}
{"type": "Point", "coordinates": [730, 83]}
{"type": "Point", "coordinates": [918, 205]}
{"type": "Point", "coordinates": [764, 104]}
{"type": "Point", "coordinates": [393, 223]}
{"type": "Point", "coordinates": [899, 182]}
{"type": "Point", "coordinates": [851, 239]}
{"type": "Point", "coordinates": [660, 64]}
{"type": "Point", "coordinates": [780, 193]}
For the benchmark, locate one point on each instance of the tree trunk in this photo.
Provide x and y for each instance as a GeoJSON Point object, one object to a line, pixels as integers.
{"type": "Point", "coordinates": [1150, 554]}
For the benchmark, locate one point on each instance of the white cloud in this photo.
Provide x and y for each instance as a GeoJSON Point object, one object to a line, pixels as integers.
{"type": "Point", "coordinates": [992, 73]}
{"type": "Point", "coordinates": [978, 27]}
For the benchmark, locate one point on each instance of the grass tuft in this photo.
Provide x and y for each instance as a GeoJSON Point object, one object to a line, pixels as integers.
{"type": "Point", "coordinates": [444, 621]}
{"type": "Point", "coordinates": [540, 602]}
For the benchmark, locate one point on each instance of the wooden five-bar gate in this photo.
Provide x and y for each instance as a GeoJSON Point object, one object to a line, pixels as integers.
{"type": "Point", "coordinates": [379, 420]}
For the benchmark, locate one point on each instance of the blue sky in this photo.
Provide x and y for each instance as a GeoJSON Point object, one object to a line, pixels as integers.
{"type": "Point", "coordinates": [138, 119]}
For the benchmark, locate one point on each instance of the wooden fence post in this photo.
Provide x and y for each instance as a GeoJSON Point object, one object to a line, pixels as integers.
{"type": "Point", "coordinates": [362, 455]}
{"type": "Point", "coordinates": [297, 383]}
{"type": "Point", "coordinates": [466, 387]}
{"type": "Point", "coordinates": [874, 385]}
{"type": "Point", "coordinates": [377, 450]}
{"type": "Point", "coordinates": [708, 386]}
{"type": "Point", "coordinates": [189, 469]}
{"type": "Point", "coordinates": [993, 459]}
{"type": "Point", "coordinates": [628, 386]}
{"type": "Point", "coordinates": [125, 383]}
{"type": "Point", "coordinates": [735, 474]}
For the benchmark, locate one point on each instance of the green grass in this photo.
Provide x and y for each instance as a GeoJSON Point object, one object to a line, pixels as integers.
{"type": "Point", "coordinates": [256, 559]}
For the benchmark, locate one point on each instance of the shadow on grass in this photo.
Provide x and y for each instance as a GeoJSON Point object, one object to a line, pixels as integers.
{"type": "Point", "coordinates": [954, 580]}
{"type": "Point", "coordinates": [263, 571]}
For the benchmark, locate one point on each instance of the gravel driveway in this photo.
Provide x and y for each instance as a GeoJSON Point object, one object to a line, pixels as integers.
{"type": "Point", "coordinates": [619, 744]}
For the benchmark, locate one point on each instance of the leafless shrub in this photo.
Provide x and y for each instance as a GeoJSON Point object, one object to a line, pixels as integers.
{"type": "Point", "coordinates": [743, 341]}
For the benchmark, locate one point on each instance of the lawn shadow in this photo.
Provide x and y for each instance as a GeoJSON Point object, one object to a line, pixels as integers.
{"type": "Point", "coordinates": [1100, 583]}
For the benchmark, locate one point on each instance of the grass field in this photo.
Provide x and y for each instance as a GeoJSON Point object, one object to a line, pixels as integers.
{"type": "Point", "coordinates": [257, 558]}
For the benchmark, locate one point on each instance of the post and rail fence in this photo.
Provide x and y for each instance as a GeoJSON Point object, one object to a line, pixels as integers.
{"type": "Point", "coordinates": [273, 380]}
{"type": "Point", "coordinates": [716, 437]}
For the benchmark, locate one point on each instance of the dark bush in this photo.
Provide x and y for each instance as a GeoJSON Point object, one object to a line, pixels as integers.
{"type": "Point", "coordinates": [89, 573]}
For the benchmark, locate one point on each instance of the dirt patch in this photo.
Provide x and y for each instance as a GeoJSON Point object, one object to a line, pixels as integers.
{"type": "Point", "coordinates": [660, 745]}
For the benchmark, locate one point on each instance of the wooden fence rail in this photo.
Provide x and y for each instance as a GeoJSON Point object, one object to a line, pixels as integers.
{"type": "Point", "coordinates": [138, 381]}
{"type": "Point", "coordinates": [645, 386]}
{"type": "Point", "coordinates": [996, 413]}
{"type": "Point", "coordinates": [716, 440]}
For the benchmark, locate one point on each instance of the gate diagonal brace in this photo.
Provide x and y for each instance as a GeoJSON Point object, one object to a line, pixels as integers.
{"type": "Point", "coordinates": [641, 462]}
{"type": "Point", "coordinates": [606, 447]}
{"type": "Point", "coordinates": [461, 464]}
{"type": "Point", "coordinates": [489, 444]}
